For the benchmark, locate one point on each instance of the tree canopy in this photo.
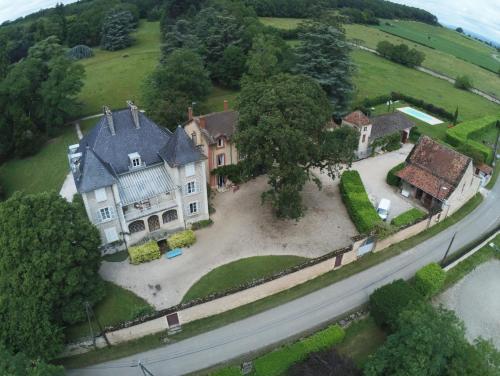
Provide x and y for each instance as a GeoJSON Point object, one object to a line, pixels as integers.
{"type": "Point", "coordinates": [48, 268]}
{"type": "Point", "coordinates": [20, 365]}
{"type": "Point", "coordinates": [116, 30]}
{"type": "Point", "coordinates": [282, 128]}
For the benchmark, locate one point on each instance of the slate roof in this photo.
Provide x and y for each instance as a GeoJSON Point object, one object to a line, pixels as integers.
{"type": "Point", "coordinates": [431, 165]}
{"type": "Point", "coordinates": [105, 156]}
{"type": "Point", "coordinates": [219, 124]}
{"type": "Point", "coordinates": [386, 124]}
{"type": "Point", "coordinates": [357, 118]}
{"type": "Point", "coordinates": [180, 149]}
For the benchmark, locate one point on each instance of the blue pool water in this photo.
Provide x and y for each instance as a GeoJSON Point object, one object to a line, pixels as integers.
{"type": "Point", "coordinates": [420, 115]}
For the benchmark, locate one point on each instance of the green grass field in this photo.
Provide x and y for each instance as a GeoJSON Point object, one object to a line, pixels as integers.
{"type": "Point", "coordinates": [113, 77]}
{"type": "Point", "coordinates": [238, 273]}
{"type": "Point", "coordinates": [445, 40]}
{"type": "Point", "coordinates": [281, 23]}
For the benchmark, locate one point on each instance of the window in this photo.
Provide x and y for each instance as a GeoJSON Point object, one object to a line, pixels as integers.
{"type": "Point", "coordinates": [220, 142]}
{"type": "Point", "coordinates": [105, 214]}
{"type": "Point", "coordinates": [111, 234]}
{"type": "Point", "coordinates": [100, 195]}
{"type": "Point", "coordinates": [220, 160]}
{"type": "Point", "coordinates": [169, 216]}
{"type": "Point", "coordinates": [136, 226]}
{"type": "Point", "coordinates": [365, 129]}
{"type": "Point", "coordinates": [193, 137]}
{"type": "Point", "coordinates": [363, 139]}
{"type": "Point", "coordinates": [193, 208]}
{"type": "Point", "coordinates": [153, 223]}
{"type": "Point", "coordinates": [191, 187]}
{"type": "Point", "coordinates": [136, 162]}
{"type": "Point", "coordinates": [189, 169]}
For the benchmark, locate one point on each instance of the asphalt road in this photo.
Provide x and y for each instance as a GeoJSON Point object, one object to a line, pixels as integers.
{"type": "Point", "coordinates": [303, 314]}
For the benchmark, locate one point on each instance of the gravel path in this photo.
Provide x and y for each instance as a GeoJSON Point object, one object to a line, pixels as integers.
{"type": "Point", "coordinates": [476, 301]}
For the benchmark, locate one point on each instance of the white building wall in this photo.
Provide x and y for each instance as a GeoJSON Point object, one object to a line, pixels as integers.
{"type": "Point", "coordinates": [465, 190]}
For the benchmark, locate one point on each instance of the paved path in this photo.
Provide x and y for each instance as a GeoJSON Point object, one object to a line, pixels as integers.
{"type": "Point", "coordinates": [290, 319]}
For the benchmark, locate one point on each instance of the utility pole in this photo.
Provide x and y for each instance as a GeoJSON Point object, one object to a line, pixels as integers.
{"type": "Point", "coordinates": [496, 143]}
{"type": "Point", "coordinates": [145, 371]}
{"type": "Point", "coordinates": [87, 311]}
{"type": "Point", "coordinates": [448, 250]}
{"type": "Point", "coordinates": [90, 312]}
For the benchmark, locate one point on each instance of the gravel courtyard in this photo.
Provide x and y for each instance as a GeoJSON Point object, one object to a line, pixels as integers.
{"type": "Point", "coordinates": [476, 301]}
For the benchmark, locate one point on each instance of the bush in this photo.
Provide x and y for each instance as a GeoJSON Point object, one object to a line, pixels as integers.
{"type": "Point", "coordinates": [182, 239]}
{"type": "Point", "coordinates": [277, 362]}
{"type": "Point", "coordinates": [390, 142]}
{"type": "Point", "coordinates": [391, 178]}
{"type": "Point", "coordinates": [463, 82]}
{"type": "Point", "coordinates": [143, 253]}
{"type": "Point", "coordinates": [401, 53]}
{"type": "Point", "coordinates": [387, 302]}
{"type": "Point", "coordinates": [408, 217]}
{"type": "Point", "coordinates": [359, 207]}
{"type": "Point", "coordinates": [429, 280]}
{"type": "Point", "coordinates": [201, 224]}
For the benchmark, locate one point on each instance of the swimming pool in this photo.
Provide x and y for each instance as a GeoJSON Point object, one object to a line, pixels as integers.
{"type": "Point", "coordinates": [420, 115]}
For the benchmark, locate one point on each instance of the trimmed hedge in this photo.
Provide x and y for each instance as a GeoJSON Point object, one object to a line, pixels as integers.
{"type": "Point", "coordinates": [182, 239]}
{"type": "Point", "coordinates": [277, 362]}
{"type": "Point", "coordinates": [201, 224]}
{"type": "Point", "coordinates": [430, 279]}
{"type": "Point", "coordinates": [359, 207]}
{"type": "Point", "coordinates": [143, 253]}
{"type": "Point", "coordinates": [408, 217]}
{"type": "Point", "coordinates": [391, 178]}
{"type": "Point", "coordinates": [387, 302]}
{"type": "Point", "coordinates": [460, 137]}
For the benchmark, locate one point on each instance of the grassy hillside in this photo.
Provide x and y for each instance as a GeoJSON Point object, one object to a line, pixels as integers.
{"type": "Point", "coordinates": [281, 23]}
{"type": "Point", "coordinates": [112, 77]}
{"type": "Point", "coordinates": [445, 40]}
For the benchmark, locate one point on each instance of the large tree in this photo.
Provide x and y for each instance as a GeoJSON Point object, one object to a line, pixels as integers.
{"type": "Point", "coordinates": [432, 342]}
{"type": "Point", "coordinates": [49, 264]}
{"type": "Point", "coordinates": [282, 128]}
{"type": "Point", "coordinates": [324, 54]}
{"type": "Point", "coordinates": [20, 365]}
{"type": "Point", "coordinates": [116, 30]}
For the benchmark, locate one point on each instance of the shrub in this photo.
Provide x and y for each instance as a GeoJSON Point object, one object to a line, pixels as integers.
{"type": "Point", "coordinates": [463, 82]}
{"type": "Point", "coordinates": [387, 302]}
{"type": "Point", "coordinates": [391, 178]}
{"type": "Point", "coordinates": [277, 362]}
{"type": "Point", "coordinates": [430, 279]}
{"type": "Point", "coordinates": [201, 224]}
{"type": "Point", "coordinates": [182, 239]}
{"type": "Point", "coordinates": [359, 207]}
{"type": "Point", "coordinates": [408, 217]}
{"type": "Point", "coordinates": [143, 253]}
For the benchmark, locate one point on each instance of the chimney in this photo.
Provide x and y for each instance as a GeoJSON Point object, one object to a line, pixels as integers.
{"type": "Point", "coordinates": [135, 113]}
{"type": "Point", "coordinates": [226, 105]}
{"type": "Point", "coordinates": [203, 122]}
{"type": "Point", "coordinates": [190, 113]}
{"type": "Point", "coordinates": [109, 120]}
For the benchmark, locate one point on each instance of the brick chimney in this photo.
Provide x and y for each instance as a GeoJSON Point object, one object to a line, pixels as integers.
{"type": "Point", "coordinates": [109, 119]}
{"type": "Point", "coordinates": [135, 113]}
{"type": "Point", "coordinates": [226, 105]}
{"type": "Point", "coordinates": [203, 122]}
{"type": "Point", "coordinates": [190, 113]}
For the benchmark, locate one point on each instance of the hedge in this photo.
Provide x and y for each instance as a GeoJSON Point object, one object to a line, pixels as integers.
{"type": "Point", "coordinates": [182, 239]}
{"type": "Point", "coordinates": [359, 207]}
{"type": "Point", "coordinates": [435, 110]}
{"type": "Point", "coordinates": [460, 137]}
{"type": "Point", "coordinates": [277, 362]}
{"type": "Point", "coordinates": [408, 217]}
{"type": "Point", "coordinates": [143, 253]}
{"type": "Point", "coordinates": [201, 224]}
{"type": "Point", "coordinates": [387, 302]}
{"type": "Point", "coordinates": [429, 280]}
{"type": "Point", "coordinates": [391, 178]}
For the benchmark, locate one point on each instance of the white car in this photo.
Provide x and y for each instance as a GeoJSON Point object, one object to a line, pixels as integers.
{"type": "Point", "coordinates": [383, 208]}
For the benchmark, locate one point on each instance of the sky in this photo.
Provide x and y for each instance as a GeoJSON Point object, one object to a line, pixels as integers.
{"type": "Point", "coordinates": [478, 16]}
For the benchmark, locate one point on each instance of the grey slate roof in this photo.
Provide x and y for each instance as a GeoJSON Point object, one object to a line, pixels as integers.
{"type": "Point", "coordinates": [144, 183]}
{"type": "Point", "coordinates": [180, 149]}
{"type": "Point", "coordinates": [105, 156]}
{"type": "Point", "coordinates": [220, 124]}
{"type": "Point", "coordinates": [386, 124]}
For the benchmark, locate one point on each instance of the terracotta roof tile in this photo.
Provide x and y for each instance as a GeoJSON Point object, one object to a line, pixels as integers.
{"type": "Point", "coordinates": [426, 181]}
{"type": "Point", "coordinates": [357, 118]}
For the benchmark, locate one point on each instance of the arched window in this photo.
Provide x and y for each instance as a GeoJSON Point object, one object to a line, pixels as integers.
{"type": "Point", "coordinates": [153, 223]}
{"type": "Point", "coordinates": [136, 226]}
{"type": "Point", "coordinates": [169, 216]}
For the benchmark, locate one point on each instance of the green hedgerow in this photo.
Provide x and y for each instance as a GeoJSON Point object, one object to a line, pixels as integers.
{"type": "Point", "coordinates": [182, 239]}
{"type": "Point", "coordinates": [391, 178]}
{"type": "Point", "coordinates": [143, 253]}
{"type": "Point", "coordinates": [430, 279]}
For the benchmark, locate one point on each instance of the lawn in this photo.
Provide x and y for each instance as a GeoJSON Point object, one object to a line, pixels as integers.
{"type": "Point", "coordinates": [445, 40]}
{"type": "Point", "coordinates": [377, 76]}
{"type": "Point", "coordinates": [281, 23]}
{"type": "Point", "coordinates": [113, 77]}
{"type": "Point", "coordinates": [238, 273]}
{"type": "Point", "coordinates": [215, 101]}
{"type": "Point", "coordinates": [119, 305]}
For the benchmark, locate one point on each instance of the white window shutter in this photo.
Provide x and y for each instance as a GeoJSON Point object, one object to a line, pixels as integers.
{"type": "Point", "coordinates": [100, 195]}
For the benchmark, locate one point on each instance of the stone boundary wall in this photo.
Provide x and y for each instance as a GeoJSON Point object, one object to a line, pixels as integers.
{"type": "Point", "coordinates": [471, 252]}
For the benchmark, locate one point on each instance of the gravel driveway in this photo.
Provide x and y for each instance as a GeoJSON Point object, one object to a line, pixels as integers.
{"type": "Point", "coordinates": [476, 300]}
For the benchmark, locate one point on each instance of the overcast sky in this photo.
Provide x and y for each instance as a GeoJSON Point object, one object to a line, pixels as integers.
{"type": "Point", "coordinates": [479, 16]}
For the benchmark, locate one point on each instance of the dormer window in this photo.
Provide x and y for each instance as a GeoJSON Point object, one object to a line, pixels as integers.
{"type": "Point", "coordinates": [135, 160]}
{"type": "Point", "coordinates": [220, 142]}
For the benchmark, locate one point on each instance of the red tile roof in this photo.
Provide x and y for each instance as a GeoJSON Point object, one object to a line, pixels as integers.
{"type": "Point", "coordinates": [357, 118]}
{"type": "Point", "coordinates": [485, 168]}
{"type": "Point", "coordinates": [434, 168]}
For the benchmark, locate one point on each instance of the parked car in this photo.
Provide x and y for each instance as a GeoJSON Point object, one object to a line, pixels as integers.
{"type": "Point", "coordinates": [383, 208]}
